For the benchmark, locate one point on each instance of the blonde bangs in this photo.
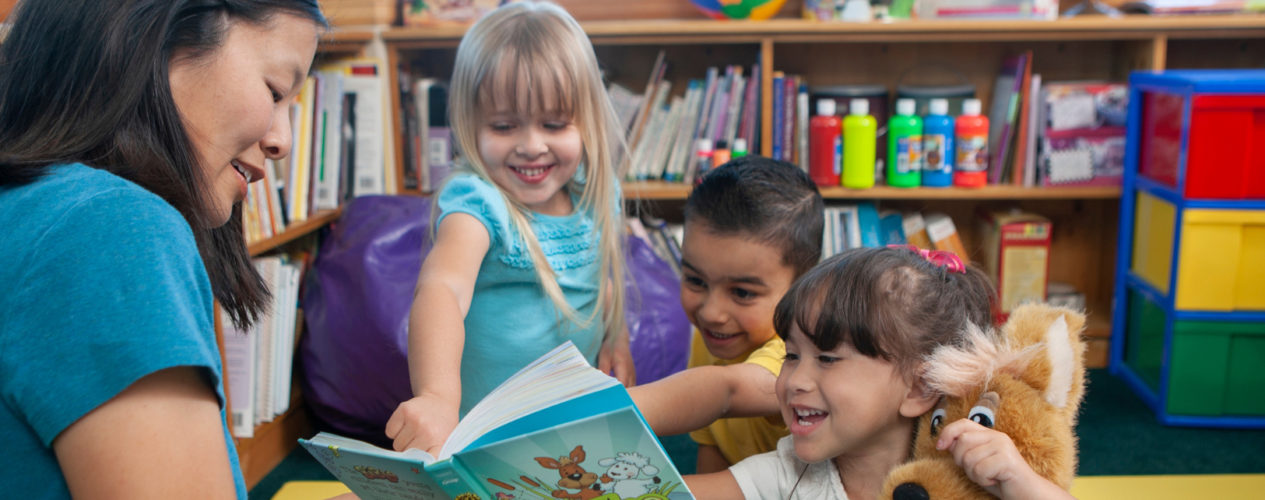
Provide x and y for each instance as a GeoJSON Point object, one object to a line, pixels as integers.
{"type": "Point", "coordinates": [529, 83]}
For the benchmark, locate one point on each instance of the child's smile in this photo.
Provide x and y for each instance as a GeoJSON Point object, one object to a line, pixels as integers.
{"type": "Point", "coordinates": [532, 174]}
{"type": "Point", "coordinates": [806, 419]}
{"type": "Point", "coordinates": [838, 402]}
{"type": "Point", "coordinates": [729, 286]}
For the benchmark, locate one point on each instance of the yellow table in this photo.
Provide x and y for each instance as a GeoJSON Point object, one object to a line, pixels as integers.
{"type": "Point", "coordinates": [1219, 486]}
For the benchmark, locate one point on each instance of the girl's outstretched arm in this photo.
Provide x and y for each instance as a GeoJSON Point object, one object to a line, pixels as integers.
{"type": "Point", "coordinates": [436, 334]}
{"type": "Point", "coordinates": [717, 485]}
{"type": "Point", "coordinates": [991, 459]}
{"type": "Point", "coordinates": [694, 398]}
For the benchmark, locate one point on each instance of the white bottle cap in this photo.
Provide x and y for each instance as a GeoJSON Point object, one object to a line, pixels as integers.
{"type": "Point", "coordinates": [971, 107]}
{"type": "Point", "coordinates": [859, 107]}
{"type": "Point", "coordinates": [704, 145]}
{"type": "Point", "coordinates": [905, 106]}
{"type": "Point", "coordinates": [825, 107]}
{"type": "Point", "coordinates": [740, 144]}
{"type": "Point", "coordinates": [939, 106]}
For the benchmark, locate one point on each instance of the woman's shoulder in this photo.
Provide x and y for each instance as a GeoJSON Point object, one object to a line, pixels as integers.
{"type": "Point", "coordinates": [72, 186]}
{"type": "Point", "coordinates": [77, 201]}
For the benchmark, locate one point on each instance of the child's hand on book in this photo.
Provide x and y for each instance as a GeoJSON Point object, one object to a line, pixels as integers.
{"type": "Point", "coordinates": [615, 359]}
{"type": "Point", "coordinates": [423, 422]}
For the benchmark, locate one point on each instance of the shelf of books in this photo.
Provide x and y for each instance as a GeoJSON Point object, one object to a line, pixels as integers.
{"type": "Point", "coordinates": [298, 196]}
{"type": "Point", "coordinates": [1053, 92]}
{"type": "Point", "coordinates": [293, 232]}
{"type": "Point", "coordinates": [660, 190]}
{"type": "Point", "coordinates": [678, 30]}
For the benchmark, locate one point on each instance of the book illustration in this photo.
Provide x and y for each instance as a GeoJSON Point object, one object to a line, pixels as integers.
{"type": "Point", "coordinates": [562, 429]}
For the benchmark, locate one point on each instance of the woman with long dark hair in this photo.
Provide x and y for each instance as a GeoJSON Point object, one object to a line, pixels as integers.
{"type": "Point", "coordinates": [129, 130]}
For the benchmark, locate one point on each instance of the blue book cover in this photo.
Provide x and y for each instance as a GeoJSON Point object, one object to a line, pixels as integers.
{"type": "Point", "coordinates": [868, 225]}
{"type": "Point", "coordinates": [891, 227]}
{"type": "Point", "coordinates": [559, 429]}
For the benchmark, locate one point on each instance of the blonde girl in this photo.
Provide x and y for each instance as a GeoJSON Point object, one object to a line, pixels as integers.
{"type": "Point", "coordinates": [527, 250]}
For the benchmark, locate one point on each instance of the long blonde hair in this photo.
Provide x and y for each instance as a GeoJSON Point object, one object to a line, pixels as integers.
{"type": "Point", "coordinates": [539, 47]}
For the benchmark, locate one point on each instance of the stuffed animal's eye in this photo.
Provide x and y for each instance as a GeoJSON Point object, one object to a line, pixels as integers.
{"type": "Point", "coordinates": [982, 415]}
{"type": "Point", "coordinates": [937, 421]}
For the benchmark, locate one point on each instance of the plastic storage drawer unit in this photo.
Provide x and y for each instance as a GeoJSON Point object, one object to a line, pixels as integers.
{"type": "Point", "coordinates": [1203, 132]}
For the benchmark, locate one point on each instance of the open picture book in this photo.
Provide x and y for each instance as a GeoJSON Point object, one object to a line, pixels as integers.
{"type": "Point", "coordinates": [559, 428]}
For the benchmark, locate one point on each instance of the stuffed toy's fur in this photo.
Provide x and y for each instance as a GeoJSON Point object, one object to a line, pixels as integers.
{"type": "Point", "coordinates": [1026, 381]}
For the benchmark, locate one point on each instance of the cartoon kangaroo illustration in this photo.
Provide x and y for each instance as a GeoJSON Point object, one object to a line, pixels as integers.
{"type": "Point", "coordinates": [622, 471]}
{"type": "Point", "coordinates": [573, 476]}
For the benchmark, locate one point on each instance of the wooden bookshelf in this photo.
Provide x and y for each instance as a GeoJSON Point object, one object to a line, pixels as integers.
{"type": "Point", "coordinates": [667, 31]}
{"type": "Point", "coordinates": [1081, 48]}
{"type": "Point", "coordinates": [294, 232]}
{"type": "Point", "coordinates": [273, 440]}
{"type": "Point", "coordinates": [656, 190]}
{"type": "Point", "coordinates": [338, 43]}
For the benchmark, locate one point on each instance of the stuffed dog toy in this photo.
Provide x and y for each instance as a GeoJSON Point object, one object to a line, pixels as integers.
{"type": "Point", "coordinates": [1026, 381]}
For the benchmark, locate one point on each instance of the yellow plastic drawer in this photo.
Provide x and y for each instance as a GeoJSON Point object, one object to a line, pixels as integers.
{"type": "Point", "coordinates": [1221, 264]}
{"type": "Point", "coordinates": [1154, 227]}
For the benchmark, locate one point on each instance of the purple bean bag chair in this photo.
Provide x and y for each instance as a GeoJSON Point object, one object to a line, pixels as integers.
{"type": "Point", "coordinates": [353, 354]}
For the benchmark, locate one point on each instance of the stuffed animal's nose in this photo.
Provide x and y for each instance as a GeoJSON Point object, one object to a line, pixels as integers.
{"type": "Point", "coordinates": [910, 491]}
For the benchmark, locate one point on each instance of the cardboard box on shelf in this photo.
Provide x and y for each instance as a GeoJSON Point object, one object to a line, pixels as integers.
{"type": "Point", "coordinates": [1016, 256]}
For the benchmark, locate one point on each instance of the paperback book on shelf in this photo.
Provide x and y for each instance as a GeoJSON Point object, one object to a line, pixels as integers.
{"type": "Point", "coordinates": [558, 428]}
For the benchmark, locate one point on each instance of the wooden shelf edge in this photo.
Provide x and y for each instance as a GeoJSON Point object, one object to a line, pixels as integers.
{"type": "Point", "coordinates": [294, 232]}
{"type": "Point", "coordinates": [341, 41]}
{"type": "Point", "coordinates": [620, 31]}
{"type": "Point", "coordinates": [656, 190]}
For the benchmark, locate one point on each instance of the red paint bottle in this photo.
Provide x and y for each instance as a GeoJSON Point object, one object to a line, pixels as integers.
{"type": "Point", "coordinates": [971, 129]}
{"type": "Point", "coordinates": [825, 145]}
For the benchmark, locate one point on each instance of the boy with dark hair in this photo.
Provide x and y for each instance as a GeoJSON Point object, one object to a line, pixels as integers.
{"type": "Point", "coordinates": [752, 226]}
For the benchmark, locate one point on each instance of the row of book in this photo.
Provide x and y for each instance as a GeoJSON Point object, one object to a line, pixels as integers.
{"type": "Point", "coordinates": [664, 131]}
{"type": "Point", "coordinates": [846, 226]}
{"type": "Point", "coordinates": [258, 361]}
{"type": "Point", "coordinates": [1060, 133]}
{"type": "Point", "coordinates": [428, 144]}
{"type": "Point", "coordinates": [1040, 134]}
{"type": "Point", "coordinates": [341, 133]}
{"type": "Point", "coordinates": [864, 225]}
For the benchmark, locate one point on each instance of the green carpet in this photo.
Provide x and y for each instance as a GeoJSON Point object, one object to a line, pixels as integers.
{"type": "Point", "coordinates": [1118, 436]}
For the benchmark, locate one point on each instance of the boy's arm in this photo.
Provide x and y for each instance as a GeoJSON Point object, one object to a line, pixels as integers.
{"type": "Point", "coordinates": [691, 399]}
{"type": "Point", "coordinates": [710, 459]}
{"type": "Point", "coordinates": [436, 334]}
{"type": "Point", "coordinates": [991, 460]}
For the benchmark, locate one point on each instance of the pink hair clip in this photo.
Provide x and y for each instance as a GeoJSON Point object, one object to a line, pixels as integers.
{"type": "Point", "coordinates": [941, 258]}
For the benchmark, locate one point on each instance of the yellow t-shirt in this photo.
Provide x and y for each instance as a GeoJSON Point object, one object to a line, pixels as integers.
{"type": "Point", "coordinates": [739, 438]}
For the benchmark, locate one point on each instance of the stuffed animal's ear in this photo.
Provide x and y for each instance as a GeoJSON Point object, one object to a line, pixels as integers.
{"type": "Point", "coordinates": [1058, 350]}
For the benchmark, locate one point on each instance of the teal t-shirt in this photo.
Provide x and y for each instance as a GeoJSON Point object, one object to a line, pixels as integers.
{"type": "Point", "coordinates": [511, 321]}
{"type": "Point", "coordinates": [103, 285]}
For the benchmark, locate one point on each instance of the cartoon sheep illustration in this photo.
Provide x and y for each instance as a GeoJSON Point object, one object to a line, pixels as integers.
{"type": "Point", "coordinates": [621, 475]}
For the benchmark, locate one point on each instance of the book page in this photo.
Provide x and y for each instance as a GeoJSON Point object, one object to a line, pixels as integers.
{"type": "Point", "coordinates": [559, 375]}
